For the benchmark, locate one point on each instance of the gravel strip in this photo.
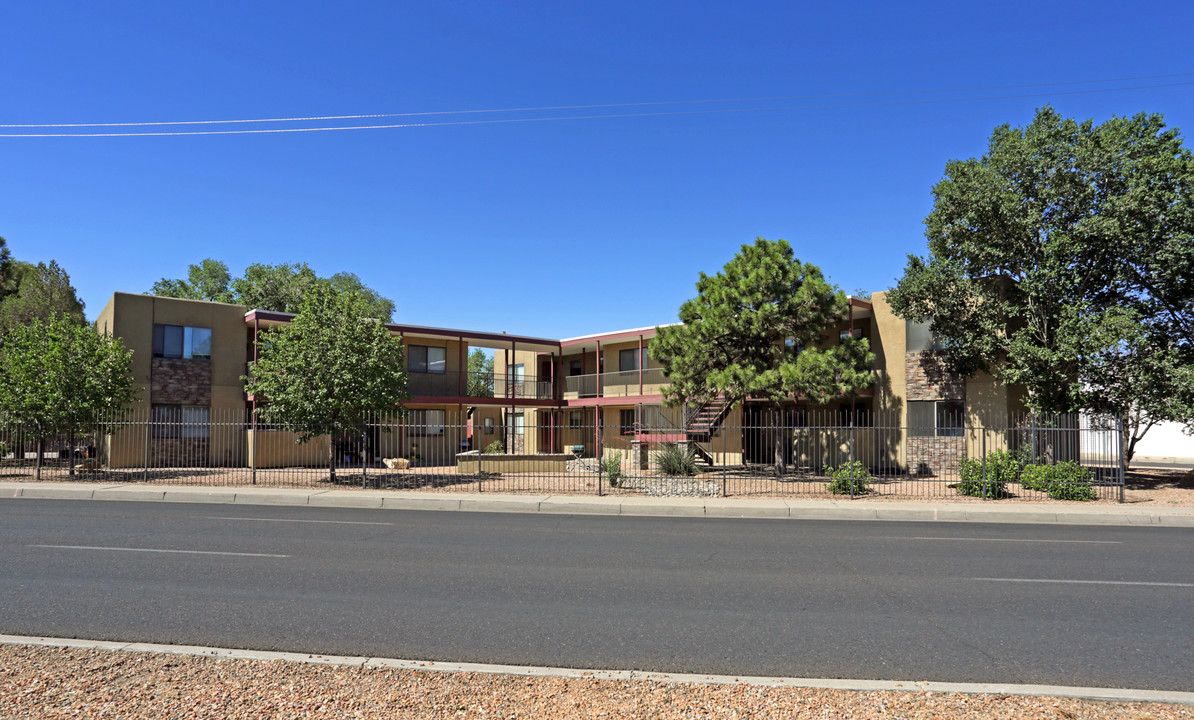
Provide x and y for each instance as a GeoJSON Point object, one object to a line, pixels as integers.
{"type": "Point", "coordinates": [46, 682]}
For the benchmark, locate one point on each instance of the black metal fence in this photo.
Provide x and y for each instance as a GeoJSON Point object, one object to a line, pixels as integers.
{"type": "Point", "coordinates": [648, 451]}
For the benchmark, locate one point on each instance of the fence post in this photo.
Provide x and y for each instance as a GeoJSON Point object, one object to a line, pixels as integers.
{"type": "Point", "coordinates": [984, 463]}
{"type": "Point", "coordinates": [723, 460]}
{"type": "Point", "coordinates": [851, 458]}
{"type": "Point", "coordinates": [145, 454]}
{"type": "Point", "coordinates": [253, 447]}
{"type": "Point", "coordinates": [1119, 450]}
{"type": "Point", "coordinates": [364, 450]}
{"type": "Point", "coordinates": [597, 440]}
{"type": "Point", "coordinates": [480, 454]}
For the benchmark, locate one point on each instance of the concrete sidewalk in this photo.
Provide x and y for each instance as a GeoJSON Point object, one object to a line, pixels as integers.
{"type": "Point", "coordinates": [990, 512]}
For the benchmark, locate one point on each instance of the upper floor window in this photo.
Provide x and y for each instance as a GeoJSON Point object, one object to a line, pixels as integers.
{"type": "Point", "coordinates": [425, 359]}
{"type": "Point", "coordinates": [178, 341]}
{"type": "Point", "coordinates": [576, 367]}
{"type": "Point", "coordinates": [631, 358]}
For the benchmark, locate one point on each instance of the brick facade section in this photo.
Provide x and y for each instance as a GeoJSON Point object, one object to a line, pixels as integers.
{"type": "Point", "coordinates": [178, 381]}
{"type": "Point", "coordinates": [935, 456]}
{"type": "Point", "coordinates": [928, 380]}
{"type": "Point", "coordinates": [178, 453]}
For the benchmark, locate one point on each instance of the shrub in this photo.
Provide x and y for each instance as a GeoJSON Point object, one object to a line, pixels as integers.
{"type": "Point", "coordinates": [849, 479]}
{"type": "Point", "coordinates": [675, 460]}
{"type": "Point", "coordinates": [1064, 481]}
{"type": "Point", "coordinates": [973, 484]}
{"type": "Point", "coordinates": [494, 448]}
{"type": "Point", "coordinates": [612, 467]}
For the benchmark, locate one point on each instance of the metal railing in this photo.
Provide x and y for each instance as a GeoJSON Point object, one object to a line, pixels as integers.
{"type": "Point", "coordinates": [756, 453]}
{"type": "Point", "coordinates": [622, 383]}
{"type": "Point", "coordinates": [480, 385]}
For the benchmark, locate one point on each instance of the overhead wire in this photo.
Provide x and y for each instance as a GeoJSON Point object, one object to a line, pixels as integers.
{"type": "Point", "coordinates": [577, 117]}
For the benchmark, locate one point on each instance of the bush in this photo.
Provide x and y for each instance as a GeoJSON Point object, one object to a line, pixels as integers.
{"type": "Point", "coordinates": [849, 479]}
{"type": "Point", "coordinates": [495, 448]}
{"type": "Point", "coordinates": [1064, 481]}
{"type": "Point", "coordinates": [612, 467]}
{"type": "Point", "coordinates": [675, 460]}
{"type": "Point", "coordinates": [973, 484]}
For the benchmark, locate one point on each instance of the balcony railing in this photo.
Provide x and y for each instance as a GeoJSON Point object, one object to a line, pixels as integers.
{"type": "Point", "coordinates": [615, 384]}
{"type": "Point", "coordinates": [479, 385]}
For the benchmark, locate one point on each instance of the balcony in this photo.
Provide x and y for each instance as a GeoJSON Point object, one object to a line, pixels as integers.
{"type": "Point", "coordinates": [615, 384]}
{"type": "Point", "coordinates": [479, 385]}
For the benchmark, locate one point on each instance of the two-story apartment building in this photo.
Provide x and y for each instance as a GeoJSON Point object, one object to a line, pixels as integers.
{"type": "Point", "coordinates": [573, 395]}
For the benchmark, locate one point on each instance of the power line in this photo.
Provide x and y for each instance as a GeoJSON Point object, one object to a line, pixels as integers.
{"type": "Point", "coordinates": [498, 121]}
{"type": "Point", "coordinates": [596, 106]}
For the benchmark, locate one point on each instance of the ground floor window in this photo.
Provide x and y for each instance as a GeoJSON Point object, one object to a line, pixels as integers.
{"type": "Point", "coordinates": [426, 423]}
{"type": "Point", "coordinates": [574, 418]}
{"type": "Point", "coordinates": [936, 418]}
{"type": "Point", "coordinates": [626, 421]}
{"type": "Point", "coordinates": [181, 421]}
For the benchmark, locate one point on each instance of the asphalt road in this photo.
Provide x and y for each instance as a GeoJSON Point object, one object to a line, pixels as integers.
{"type": "Point", "coordinates": [1106, 607]}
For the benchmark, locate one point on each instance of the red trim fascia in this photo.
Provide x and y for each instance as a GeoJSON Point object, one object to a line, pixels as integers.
{"type": "Point", "coordinates": [620, 400]}
{"type": "Point", "coordinates": [860, 303]}
{"type": "Point", "coordinates": [420, 330]}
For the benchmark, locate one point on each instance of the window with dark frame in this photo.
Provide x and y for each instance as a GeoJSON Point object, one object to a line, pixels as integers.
{"type": "Point", "coordinates": [488, 425]}
{"type": "Point", "coordinates": [936, 418]}
{"type": "Point", "coordinates": [427, 359]}
{"type": "Point", "coordinates": [426, 423]}
{"type": "Point", "coordinates": [631, 358]}
{"type": "Point", "coordinates": [576, 367]}
{"type": "Point", "coordinates": [626, 421]}
{"type": "Point", "coordinates": [181, 341]}
{"type": "Point", "coordinates": [574, 418]}
{"type": "Point", "coordinates": [172, 422]}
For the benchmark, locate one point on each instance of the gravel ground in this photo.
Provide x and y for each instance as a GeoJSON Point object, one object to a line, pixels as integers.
{"type": "Point", "coordinates": [41, 682]}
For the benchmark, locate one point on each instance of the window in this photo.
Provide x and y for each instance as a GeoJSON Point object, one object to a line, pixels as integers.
{"type": "Point", "coordinates": [626, 421]}
{"type": "Point", "coordinates": [920, 337]}
{"type": "Point", "coordinates": [936, 418]}
{"type": "Point", "coordinates": [792, 347]}
{"type": "Point", "coordinates": [426, 423]}
{"type": "Point", "coordinates": [181, 421]}
{"type": "Point", "coordinates": [488, 426]}
{"type": "Point", "coordinates": [424, 359]}
{"type": "Point", "coordinates": [178, 341]}
{"type": "Point", "coordinates": [856, 332]}
{"type": "Point", "coordinates": [574, 418]}
{"type": "Point", "coordinates": [517, 425]}
{"type": "Point", "coordinates": [630, 359]}
{"type": "Point", "coordinates": [576, 367]}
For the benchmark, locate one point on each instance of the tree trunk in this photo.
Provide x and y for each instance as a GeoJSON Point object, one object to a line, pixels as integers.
{"type": "Point", "coordinates": [776, 427]}
{"type": "Point", "coordinates": [332, 457]}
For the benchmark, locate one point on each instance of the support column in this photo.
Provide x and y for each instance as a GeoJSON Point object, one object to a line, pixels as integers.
{"type": "Point", "coordinates": [640, 365]}
{"type": "Point", "coordinates": [463, 368]}
{"type": "Point", "coordinates": [598, 368]}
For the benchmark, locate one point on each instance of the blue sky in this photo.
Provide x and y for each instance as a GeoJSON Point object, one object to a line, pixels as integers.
{"type": "Point", "coordinates": [550, 228]}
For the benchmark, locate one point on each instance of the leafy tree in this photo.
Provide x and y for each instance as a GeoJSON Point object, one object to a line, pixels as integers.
{"type": "Point", "coordinates": [327, 370]}
{"type": "Point", "coordinates": [1066, 251]}
{"type": "Point", "coordinates": [6, 270]}
{"type": "Point", "coordinates": [209, 280]}
{"type": "Point", "coordinates": [375, 305]}
{"type": "Point", "coordinates": [740, 335]}
{"type": "Point", "coordinates": [57, 374]}
{"type": "Point", "coordinates": [274, 287]}
{"type": "Point", "coordinates": [42, 291]}
{"type": "Point", "coordinates": [480, 374]}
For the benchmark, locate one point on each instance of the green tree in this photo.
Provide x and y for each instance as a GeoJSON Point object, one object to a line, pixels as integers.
{"type": "Point", "coordinates": [280, 288]}
{"type": "Point", "coordinates": [42, 291]}
{"type": "Point", "coordinates": [209, 280]}
{"type": "Point", "coordinates": [6, 270]}
{"type": "Point", "coordinates": [480, 374]}
{"type": "Point", "coordinates": [329, 369]}
{"type": "Point", "coordinates": [1066, 250]}
{"type": "Point", "coordinates": [755, 330]}
{"type": "Point", "coordinates": [57, 374]}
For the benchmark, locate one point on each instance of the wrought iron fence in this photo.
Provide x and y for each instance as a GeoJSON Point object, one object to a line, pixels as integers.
{"type": "Point", "coordinates": [757, 452]}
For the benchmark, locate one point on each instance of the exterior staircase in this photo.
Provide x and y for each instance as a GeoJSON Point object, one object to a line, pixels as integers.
{"type": "Point", "coordinates": [701, 424]}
